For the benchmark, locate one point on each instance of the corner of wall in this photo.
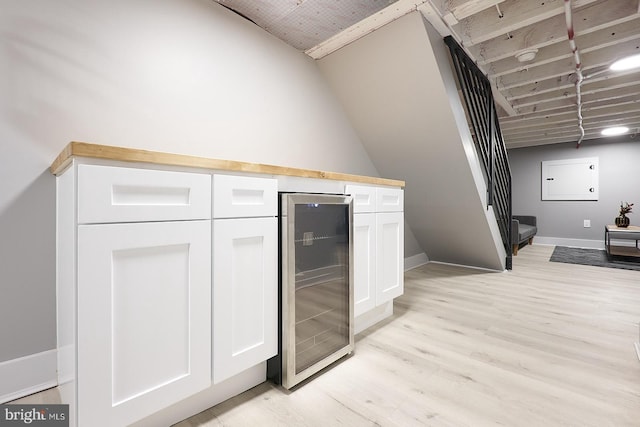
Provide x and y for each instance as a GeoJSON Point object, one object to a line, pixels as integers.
{"type": "Point", "coordinates": [415, 261]}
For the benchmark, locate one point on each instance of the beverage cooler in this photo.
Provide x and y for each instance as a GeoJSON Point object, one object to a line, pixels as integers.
{"type": "Point", "coordinates": [316, 285]}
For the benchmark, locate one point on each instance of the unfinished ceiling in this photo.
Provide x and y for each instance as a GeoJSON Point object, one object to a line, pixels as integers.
{"type": "Point", "coordinates": [548, 89]}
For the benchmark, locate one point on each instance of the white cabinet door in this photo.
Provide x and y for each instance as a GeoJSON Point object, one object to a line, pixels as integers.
{"type": "Point", "coordinates": [245, 294]}
{"type": "Point", "coordinates": [144, 318]}
{"type": "Point", "coordinates": [389, 256]}
{"type": "Point", "coordinates": [364, 262]}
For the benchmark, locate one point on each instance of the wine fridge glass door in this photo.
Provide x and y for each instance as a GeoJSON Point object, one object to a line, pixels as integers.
{"type": "Point", "coordinates": [318, 284]}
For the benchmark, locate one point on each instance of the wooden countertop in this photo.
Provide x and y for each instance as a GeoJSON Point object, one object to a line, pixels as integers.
{"type": "Point", "coordinates": [96, 151]}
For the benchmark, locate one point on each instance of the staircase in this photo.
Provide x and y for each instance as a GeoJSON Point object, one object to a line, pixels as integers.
{"type": "Point", "coordinates": [487, 137]}
{"type": "Point", "coordinates": [398, 88]}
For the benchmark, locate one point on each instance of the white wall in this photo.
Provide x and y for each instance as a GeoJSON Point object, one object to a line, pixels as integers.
{"type": "Point", "coordinates": [562, 222]}
{"type": "Point", "coordinates": [183, 76]}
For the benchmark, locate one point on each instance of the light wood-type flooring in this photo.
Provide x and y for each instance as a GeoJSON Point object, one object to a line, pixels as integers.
{"type": "Point", "coordinates": [546, 344]}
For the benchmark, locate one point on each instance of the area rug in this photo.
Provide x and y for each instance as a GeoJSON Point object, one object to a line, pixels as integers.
{"type": "Point", "coordinates": [596, 257]}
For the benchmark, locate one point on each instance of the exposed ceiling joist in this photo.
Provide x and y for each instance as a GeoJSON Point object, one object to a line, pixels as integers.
{"type": "Point", "coordinates": [589, 19]}
{"type": "Point", "coordinates": [364, 27]}
{"type": "Point", "coordinates": [536, 99]}
{"type": "Point", "coordinates": [600, 39]}
{"type": "Point", "coordinates": [488, 24]}
{"type": "Point", "coordinates": [591, 60]}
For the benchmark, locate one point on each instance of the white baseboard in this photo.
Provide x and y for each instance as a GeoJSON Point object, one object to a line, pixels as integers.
{"type": "Point", "coordinates": [415, 261]}
{"type": "Point", "coordinates": [27, 375]}
{"type": "Point", "coordinates": [468, 266]}
{"type": "Point", "coordinates": [207, 398]}
{"type": "Point", "coordinates": [370, 318]}
{"type": "Point", "coordinates": [563, 241]}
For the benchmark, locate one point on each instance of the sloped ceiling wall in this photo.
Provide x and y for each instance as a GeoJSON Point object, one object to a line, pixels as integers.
{"type": "Point", "coordinates": [397, 88]}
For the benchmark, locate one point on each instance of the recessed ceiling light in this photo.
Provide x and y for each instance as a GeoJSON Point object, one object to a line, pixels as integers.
{"type": "Point", "coordinates": [618, 130]}
{"type": "Point", "coordinates": [627, 63]}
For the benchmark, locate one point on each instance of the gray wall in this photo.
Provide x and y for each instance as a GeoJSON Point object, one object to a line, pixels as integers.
{"type": "Point", "coordinates": [184, 76]}
{"type": "Point", "coordinates": [619, 162]}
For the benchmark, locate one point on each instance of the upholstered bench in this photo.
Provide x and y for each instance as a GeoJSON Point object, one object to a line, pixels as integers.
{"type": "Point", "coordinates": [523, 228]}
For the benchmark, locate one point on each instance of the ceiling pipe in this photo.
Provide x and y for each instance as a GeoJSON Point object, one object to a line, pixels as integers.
{"type": "Point", "coordinates": [576, 57]}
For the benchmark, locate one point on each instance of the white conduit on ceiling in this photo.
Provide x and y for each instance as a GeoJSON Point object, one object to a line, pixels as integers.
{"type": "Point", "coordinates": [576, 56]}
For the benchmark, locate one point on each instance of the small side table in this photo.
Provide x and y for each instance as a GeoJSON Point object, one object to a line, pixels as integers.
{"type": "Point", "coordinates": [631, 232]}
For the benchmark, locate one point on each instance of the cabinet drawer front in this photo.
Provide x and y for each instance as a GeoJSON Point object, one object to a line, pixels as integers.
{"type": "Point", "coordinates": [364, 198]}
{"type": "Point", "coordinates": [243, 197]}
{"type": "Point", "coordinates": [389, 200]}
{"type": "Point", "coordinates": [108, 194]}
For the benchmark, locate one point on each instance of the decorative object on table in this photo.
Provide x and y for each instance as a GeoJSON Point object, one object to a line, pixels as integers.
{"type": "Point", "coordinates": [623, 220]}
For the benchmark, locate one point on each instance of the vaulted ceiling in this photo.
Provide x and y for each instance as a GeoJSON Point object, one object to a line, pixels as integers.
{"type": "Point", "coordinates": [544, 99]}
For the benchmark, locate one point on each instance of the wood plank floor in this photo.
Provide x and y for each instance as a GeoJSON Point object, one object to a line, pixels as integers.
{"type": "Point", "coordinates": [546, 344]}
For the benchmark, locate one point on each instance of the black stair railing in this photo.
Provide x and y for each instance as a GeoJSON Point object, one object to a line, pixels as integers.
{"type": "Point", "coordinates": [487, 137]}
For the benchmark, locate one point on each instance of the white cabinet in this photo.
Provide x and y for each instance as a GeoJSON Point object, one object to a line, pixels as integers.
{"type": "Point", "coordinates": [378, 246]}
{"type": "Point", "coordinates": [167, 283]}
{"type": "Point", "coordinates": [389, 256]}
{"type": "Point", "coordinates": [143, 318]}
{"type": "Point", "coordinates": [245, 274]}
{"type": "Point", "coordinates": [134, 291]}
{"type": "Point", "coordinates": [364, 263]}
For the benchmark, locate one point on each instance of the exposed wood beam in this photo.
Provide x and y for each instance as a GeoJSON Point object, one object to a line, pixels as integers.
{"type": "Point", "coordinates": [566, 132]}
{"type": "Point", "coordinates": [564, 126]}
{"type": "Point", "coordinates": [555, 140]}
{"type": "Point", "coordinates": [602, 91]}
{"type": "Point", "coordinates": [541, 132]}
{"type": "Point", "coordinates": [487, 25]}
{"type": "Point", "coordinates": [589, 86]}
{"type": "Point", "coordinates": [434, 15]}
{"type": "Point", "coordinates": [452, 11]}
{"type": "Point", "coordinates": [567, 119]}
{"type": "Point", "coordinates": [364, 27]}
{"type": "Point", "coordinates": [610, 81]}
{"type": "Point", "coordinates": [591, 60]}
{"type": "Point", "coordinates": [633, 121]}
{"type": "Point", "coordinates": [562, 83]}
{"type": "Point", "coordinates": [587, 20]}
{"type": "Point", "coordinates": [591, 133]}
{"type": "Point", "coordinates": [462, 9]}
{"type": "Point", "coordinates": [538, 88]}
{"type": "Point", "coordinates": [600, 39]}
{"type": "Point", "coordinates": [549, 120]}
{"type": "Point", "coordinates": [610, 96]}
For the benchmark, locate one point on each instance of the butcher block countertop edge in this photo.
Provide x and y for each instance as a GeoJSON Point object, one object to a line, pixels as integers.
{"type": "Point", "coordinates": [84, 149]}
